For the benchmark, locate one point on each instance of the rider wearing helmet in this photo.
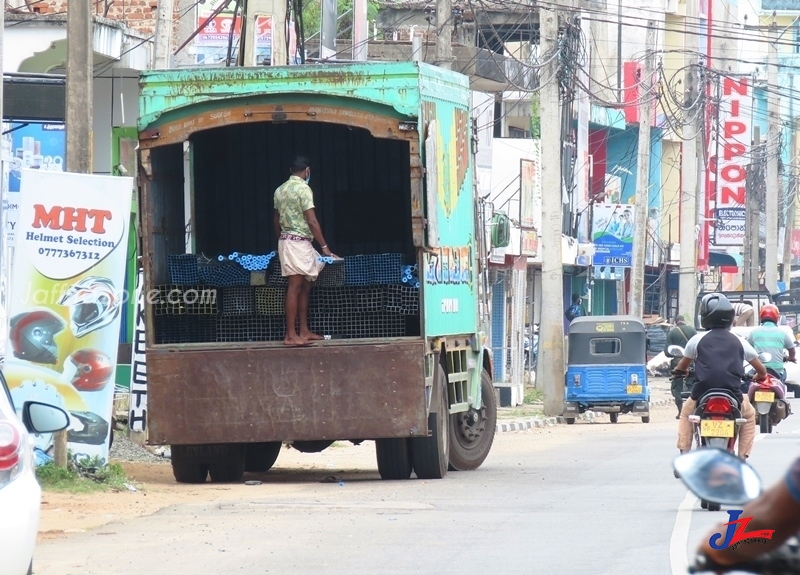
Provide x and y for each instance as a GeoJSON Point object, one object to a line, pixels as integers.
{"type": "Point", "coordinates": [771, 339]}
{"type": "Point", "coordinates": [719, 358]}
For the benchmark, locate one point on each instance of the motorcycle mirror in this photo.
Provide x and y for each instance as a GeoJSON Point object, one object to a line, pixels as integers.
{"type": "Point", "coordinates": [675, 350]}
{"type": "Point", "coordinates": [717, 476]}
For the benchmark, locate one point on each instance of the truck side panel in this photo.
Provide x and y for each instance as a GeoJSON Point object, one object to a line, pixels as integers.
{"type": "Point", "coordinates": [336, 391]}
{"type": "Point", "coordinates": [449, 276]}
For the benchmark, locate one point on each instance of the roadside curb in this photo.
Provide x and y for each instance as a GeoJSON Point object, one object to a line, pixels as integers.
{"type": "Point", "coordinates": [539, 422]}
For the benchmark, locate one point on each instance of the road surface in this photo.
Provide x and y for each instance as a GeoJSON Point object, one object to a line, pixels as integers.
{"type": "Point", "coordinates": [591, 498]}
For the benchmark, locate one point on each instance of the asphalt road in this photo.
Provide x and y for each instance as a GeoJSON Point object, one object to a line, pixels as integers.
{"type": "Point", "coordinates": [591, 498]}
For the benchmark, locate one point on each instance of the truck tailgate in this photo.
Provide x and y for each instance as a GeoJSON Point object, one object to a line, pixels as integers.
{"type": "Point", "coordinates": [333, 390]}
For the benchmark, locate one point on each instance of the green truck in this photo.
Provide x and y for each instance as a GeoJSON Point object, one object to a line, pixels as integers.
{"type": "Point", "coordinates": [393, 177]}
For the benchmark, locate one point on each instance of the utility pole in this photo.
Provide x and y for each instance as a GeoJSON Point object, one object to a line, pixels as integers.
{"type": "Point", "coordinates": [79, 94]}
{"type": "Point", "coordinates": [187, 23]}
{"type": "Point", "coordinates": [642, 180]}
{"type": "Point", "coordinates": [163, 41]}
{"type": "Point", "coordinates": [444, 36]}
{"type": "Point", "coordinates": [786, 270]}
{"type": "Point", "coordinates": [360, 30]}
{"type": "Point", "coordinates": [773, 152]}
{"type": "Point", "coordinates": [752, 240]}
{"type": "Point", "coordinates": [550, 368]}
{"type": "Point", "coordinates": [690, 181]}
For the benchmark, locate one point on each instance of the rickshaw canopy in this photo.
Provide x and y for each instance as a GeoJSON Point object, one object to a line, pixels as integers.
{"type": "Point", "coordinates": [607, 340]}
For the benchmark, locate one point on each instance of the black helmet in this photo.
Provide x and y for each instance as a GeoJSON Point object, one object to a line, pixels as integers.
{"type": "Point", "coordinates": [716, 311]}
{"type": "Point", "coordinates": [32, 335]}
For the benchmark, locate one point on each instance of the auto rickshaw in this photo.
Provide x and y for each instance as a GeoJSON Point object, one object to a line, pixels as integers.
{"type": "Point", "coordinates": [606, 367]}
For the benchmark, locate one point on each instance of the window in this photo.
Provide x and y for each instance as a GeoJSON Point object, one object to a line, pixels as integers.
{"type": "Point", "coordinates": [605, 346]}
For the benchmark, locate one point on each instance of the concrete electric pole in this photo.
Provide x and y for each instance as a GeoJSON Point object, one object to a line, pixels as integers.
{"type": "Point", "coordinates": [187, 23]}
{"type": "Point", "coordinates": [79, 94]}
{"type": "Point", "coordinates": [163, 40]}
{"type": "Point", "coordinates": [773, 153]}
{"type": "Point", "coordinates": [752, 234]}
{"type": "Point", "coordinates": [277, 9]}
{"type": "Point", "coordinates": [640, 224]}
{"type": "Point", "coordinates": [690, 182]}
{"type": "Point", "coordinates": [444, 34]}
{"type": "Point", "coordinates": [550, 368]}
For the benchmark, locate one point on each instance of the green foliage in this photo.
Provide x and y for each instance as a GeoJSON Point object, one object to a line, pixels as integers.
{"type": "Point", "coordinates": [82, 475]}
{"type": "Point", "coordinates": [536, 127]}
{"type": "Point", "coordinates": [312, 16]}
{"type": "Point", "coordinates": [533, 395]}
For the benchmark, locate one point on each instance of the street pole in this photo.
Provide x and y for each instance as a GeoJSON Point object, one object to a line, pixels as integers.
{"type": "Point", "coordinates": [163, 40]}
{"type": "Point", "coordinates": [444, 36]}
{"type": "Point", "coordinates": [550, 367]}
{"type": "Point", "coordinates": [786, 270]}
{"type": "Point", "coordinates": [752, 224]}
{"type": "Point", "coordinates": [79, 94]}
{"type": "Point", "coordinates": [187, 9]}
{"type": "Point", "coordinates": [642, 180]}
{"type": "Point", "coordinates": [773, 152]}
{"type": "Point", "coordinates": [360, 31]}
{"type": "Point", "coordinates": [690, 182]}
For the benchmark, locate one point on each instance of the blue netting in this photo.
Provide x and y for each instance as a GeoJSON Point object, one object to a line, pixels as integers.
{"type": "Point", "coordinates": [183, 269]}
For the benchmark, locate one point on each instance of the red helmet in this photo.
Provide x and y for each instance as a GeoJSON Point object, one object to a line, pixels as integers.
{"type": "Point", "coordinates": [769, 312]}
{"type": "Point", "coordinates": [93, 370]}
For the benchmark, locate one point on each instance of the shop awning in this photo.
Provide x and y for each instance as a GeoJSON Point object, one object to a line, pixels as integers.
{"type": "Point", "coordinates": [721, 259]}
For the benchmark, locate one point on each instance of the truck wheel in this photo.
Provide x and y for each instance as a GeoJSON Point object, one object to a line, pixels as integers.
{"type": "Point", "coordinates": [614, 417]}
{"type": "Point", "coordinates": [394, 458]}
{"type": "Point", "coordinates": [260, 457]}
{"type": "Point", "coordinates": [228, 468]}
{"type": "Point", "coordinates": [472, 432]}
{"type": "Point", "coordinates": [430, 455]}
{"type": "Point", "coordinates": [188, 471]}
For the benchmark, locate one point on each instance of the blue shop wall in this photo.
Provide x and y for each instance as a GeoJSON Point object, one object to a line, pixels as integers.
{"type": "Point", "coordinates": [621, 150]}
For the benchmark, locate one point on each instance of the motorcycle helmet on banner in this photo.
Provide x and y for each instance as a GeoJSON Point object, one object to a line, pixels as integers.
{"type": "Point", "coordinates": [93, 370]}
{"type": "Point", "coordinates": [716, 311]}
{"type": "Point", "coordinates": [94, 304]}
{"type": "Point", "coordinates": [32, 336]}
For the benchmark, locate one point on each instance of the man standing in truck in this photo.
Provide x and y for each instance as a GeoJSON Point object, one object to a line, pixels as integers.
{"type": "Point", "coordinates": [296, 225]}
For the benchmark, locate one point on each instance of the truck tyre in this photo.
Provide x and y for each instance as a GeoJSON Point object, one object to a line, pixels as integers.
{"type": "Point", "coordinates": [260, 457]}
{"type": "Point", "coordinates": [472, 432]}
{"type": "Point", "coordinates": [614, 417]}
{"type": "Point", "coordinates": [228, 468]}
{"type": "Point", "coordinates": [189, 471]}
{"type": "Point", "coordinates": [430, 455]}
{"type": "Point", "coordinates": [394, 458]}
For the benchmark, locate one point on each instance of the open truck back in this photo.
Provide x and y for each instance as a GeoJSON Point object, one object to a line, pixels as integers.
{"type": "Point", "coordinates": [392, 176]}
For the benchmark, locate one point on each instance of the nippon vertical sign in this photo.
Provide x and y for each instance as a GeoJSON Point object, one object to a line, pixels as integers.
{"type": "Point", "coordinates": [734, 143]}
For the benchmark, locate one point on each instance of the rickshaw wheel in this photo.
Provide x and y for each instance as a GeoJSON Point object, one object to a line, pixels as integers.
{"type": "Point", "coordinates": [646, 419]}
{"type": "Point", "coordinates": [570, 420]}
{"type": "Point", "coordinates": [614, 417]}
{"type": "Point", "coordinates": [703, 504]}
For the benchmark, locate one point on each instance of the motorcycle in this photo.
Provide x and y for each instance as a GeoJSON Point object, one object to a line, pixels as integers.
{"type": "Point", "coordinates": [716, 421]}
{"type": "Point", "coordinates": [768, 398]}
{"type": "Point", "coordinates": [715, 475]}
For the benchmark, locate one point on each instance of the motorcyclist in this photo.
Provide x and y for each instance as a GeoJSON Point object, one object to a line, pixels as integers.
{"type": "Point", "coordinates": [678, 335]}
{"type": "Point", "coordinates": [776, 509]}
{"type": "Point", "coordinates": [769, 338]}
{"type": "Point", "coordinates": [719, 358]}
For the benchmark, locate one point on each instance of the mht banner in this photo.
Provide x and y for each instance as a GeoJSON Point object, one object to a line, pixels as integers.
{"type": "Point", "coordinates": [66, 299]}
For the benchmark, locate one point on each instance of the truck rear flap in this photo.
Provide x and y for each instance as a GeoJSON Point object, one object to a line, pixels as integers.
{"type": "Point", "coordinates": [334, 390]}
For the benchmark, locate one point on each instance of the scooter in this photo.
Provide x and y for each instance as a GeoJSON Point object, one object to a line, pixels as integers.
{"type": "Point", "coordinates": [768, 398]}
{"type": "Point", "coordinates": [722, 478]}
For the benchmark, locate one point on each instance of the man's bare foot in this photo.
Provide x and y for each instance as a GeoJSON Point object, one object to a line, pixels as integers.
{"type": "Point", "coordinates": [310, 336]}
{"type": "Point", "coordinates": [296, 341]}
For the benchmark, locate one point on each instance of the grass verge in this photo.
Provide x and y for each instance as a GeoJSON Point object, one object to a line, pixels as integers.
{"type": "Point", "coordinates": [82, 479]}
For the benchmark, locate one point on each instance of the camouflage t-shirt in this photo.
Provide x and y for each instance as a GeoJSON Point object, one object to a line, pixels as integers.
{"type": "Point", "coordinates": [292, 199]}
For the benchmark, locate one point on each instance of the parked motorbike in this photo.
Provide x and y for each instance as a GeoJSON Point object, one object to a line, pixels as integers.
{"type": "Point", "coordinates": [717, 476]}
{"type": "Point", "coordinates": [768, 398]}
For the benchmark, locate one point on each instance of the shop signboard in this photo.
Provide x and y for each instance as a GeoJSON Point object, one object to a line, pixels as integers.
{"type": "Point", "coordinates": [612, 235]}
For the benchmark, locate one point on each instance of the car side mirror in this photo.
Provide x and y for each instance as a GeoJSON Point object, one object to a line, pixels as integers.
{"type": "Point", "coordinates": [43, 417]}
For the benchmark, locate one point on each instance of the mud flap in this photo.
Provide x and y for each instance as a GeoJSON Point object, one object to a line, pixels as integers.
{"type": "Point", "coordinates": [571, 410]}
{"type": "Point", "coordinates": [641, 408]}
